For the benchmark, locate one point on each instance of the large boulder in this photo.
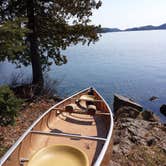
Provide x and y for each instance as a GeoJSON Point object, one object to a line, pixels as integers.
{"type": "Point", "coordinates": [121, 101]}
{"type": "Point", "coordinates": [163, 109]}
{"type": "Point", "coordinates": [126, 112]}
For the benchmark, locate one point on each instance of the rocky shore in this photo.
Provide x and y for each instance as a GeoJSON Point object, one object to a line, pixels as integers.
{"type": "Point", "coordinates": [139, 136]}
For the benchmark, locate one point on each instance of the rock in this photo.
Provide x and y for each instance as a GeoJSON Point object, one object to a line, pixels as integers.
{"type": "Point", "coordinates": [57, 98]}
{"type": "Point", "coordinates": [134, 139]}
{"type": "Point", "coordinates": [162, 145]}
{"type": "Point", "coordinates": [153, 98]}
{"type": "Point", "coordinates": [31, 104]}
{"type": "Point", "coordinates": [126, 112]}
{"type": "Point", "coordinates": [151, 141]}
{"type": "Point", "coordinates": [149, 116]}
{"type": "Point", "coordinates": [112, 163]}
{"type": "Point", "coordinates": [117, 140]}
{"type": "Point", "coordinates": [116, 148]}
{"type": "Point", "coordinates": [163, 109]}
{"type": "Point", "coordinates": [121, 101]}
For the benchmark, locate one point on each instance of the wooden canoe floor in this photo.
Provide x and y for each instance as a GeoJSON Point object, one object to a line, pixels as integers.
{"type": "Point", "coordinates": [63, 122]}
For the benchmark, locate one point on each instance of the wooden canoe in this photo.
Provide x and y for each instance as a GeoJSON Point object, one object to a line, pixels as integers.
{"type": "Point", "coordinates": [91, 133]}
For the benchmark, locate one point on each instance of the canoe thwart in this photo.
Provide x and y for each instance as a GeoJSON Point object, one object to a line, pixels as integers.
{"type": "Point", "coordinates": [69, 135]}
{"type": "Point", "coordinates": [77, 99]}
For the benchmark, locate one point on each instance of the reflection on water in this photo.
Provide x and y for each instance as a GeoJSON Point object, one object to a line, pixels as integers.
{"type": "Point", "coordinates": [129, 63]}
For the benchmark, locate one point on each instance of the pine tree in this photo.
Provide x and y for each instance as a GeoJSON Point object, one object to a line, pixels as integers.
{"type": "Point", "coordinates": [34, 32]}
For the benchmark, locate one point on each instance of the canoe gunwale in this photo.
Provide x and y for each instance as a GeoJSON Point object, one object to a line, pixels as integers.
{"type": "Point", "coordinates": [107, 142]}
{"type": "Point", "coordinates": [30, 130]}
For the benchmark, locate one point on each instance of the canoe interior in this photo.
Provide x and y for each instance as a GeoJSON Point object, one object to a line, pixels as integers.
{"type": "Point", "coordinates": [63, 122]}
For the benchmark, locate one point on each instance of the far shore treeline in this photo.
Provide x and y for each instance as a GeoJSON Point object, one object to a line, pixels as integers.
{"type": "Point", "coordinates": [142, 28]}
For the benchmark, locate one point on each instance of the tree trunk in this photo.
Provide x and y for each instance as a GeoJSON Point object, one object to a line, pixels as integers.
{"type": "Point", "coordinates": [38, 80]}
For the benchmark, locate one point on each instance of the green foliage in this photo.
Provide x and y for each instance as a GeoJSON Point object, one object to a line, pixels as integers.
{"type": "Point", "coordinates": [12, 43]}
{"type": "Point", "coordinates": [9, 106]}
{"type": "Point", "coordinates": [55, 25]}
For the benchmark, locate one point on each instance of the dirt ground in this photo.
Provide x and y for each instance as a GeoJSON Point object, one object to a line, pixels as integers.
{"type": "Point", "coordinates": [27, 115]}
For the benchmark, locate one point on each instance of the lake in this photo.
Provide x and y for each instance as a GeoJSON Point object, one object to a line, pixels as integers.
{"type": "Point", "coordinates": [128, 63]}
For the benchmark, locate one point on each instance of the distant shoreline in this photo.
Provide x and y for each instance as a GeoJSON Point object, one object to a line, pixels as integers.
{"type": "Point", "coordinates": [142, 28]}
{"type": "Point", "coordinates": [123, 31]}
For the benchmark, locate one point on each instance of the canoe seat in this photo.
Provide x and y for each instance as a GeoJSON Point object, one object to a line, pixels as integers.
{"type": "Point", "coordinates": [87, 102]}
{"type": "Point", "coordinates": [60, 155]}
{"type": "Point", "coordinates": [80, 111]}
{"type": "Point", "coordinates": [87, 98]}
{"type": "Point", "coordinates": [71, 107]}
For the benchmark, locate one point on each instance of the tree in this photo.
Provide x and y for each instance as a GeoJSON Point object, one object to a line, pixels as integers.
{"type": "Point", "coordinates": [12, 44]}
{"type": "Point", "coordinates": [38, 30]}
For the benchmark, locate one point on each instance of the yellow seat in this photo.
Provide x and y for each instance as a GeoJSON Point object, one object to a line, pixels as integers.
{"type": "Point", "coordinates": [59, 155]}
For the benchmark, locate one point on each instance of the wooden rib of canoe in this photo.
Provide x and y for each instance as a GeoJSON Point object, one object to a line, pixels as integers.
{"type": "Point", "coordinates": [78, 130]}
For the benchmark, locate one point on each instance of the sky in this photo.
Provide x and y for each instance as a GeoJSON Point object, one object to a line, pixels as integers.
{"type": "Point", "coordinates": [130, 13]}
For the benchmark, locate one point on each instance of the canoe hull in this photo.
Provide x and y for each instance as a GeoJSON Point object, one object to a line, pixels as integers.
{"type": "Point", "coordinates": [54, 122]}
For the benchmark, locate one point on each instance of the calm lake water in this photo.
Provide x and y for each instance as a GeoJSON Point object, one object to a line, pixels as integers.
{"type": "Point", "coordinates": [129, 63]}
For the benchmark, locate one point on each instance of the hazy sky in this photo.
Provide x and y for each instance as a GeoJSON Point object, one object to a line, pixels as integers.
{"type": "Point", "coordinates": [130, 13]}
